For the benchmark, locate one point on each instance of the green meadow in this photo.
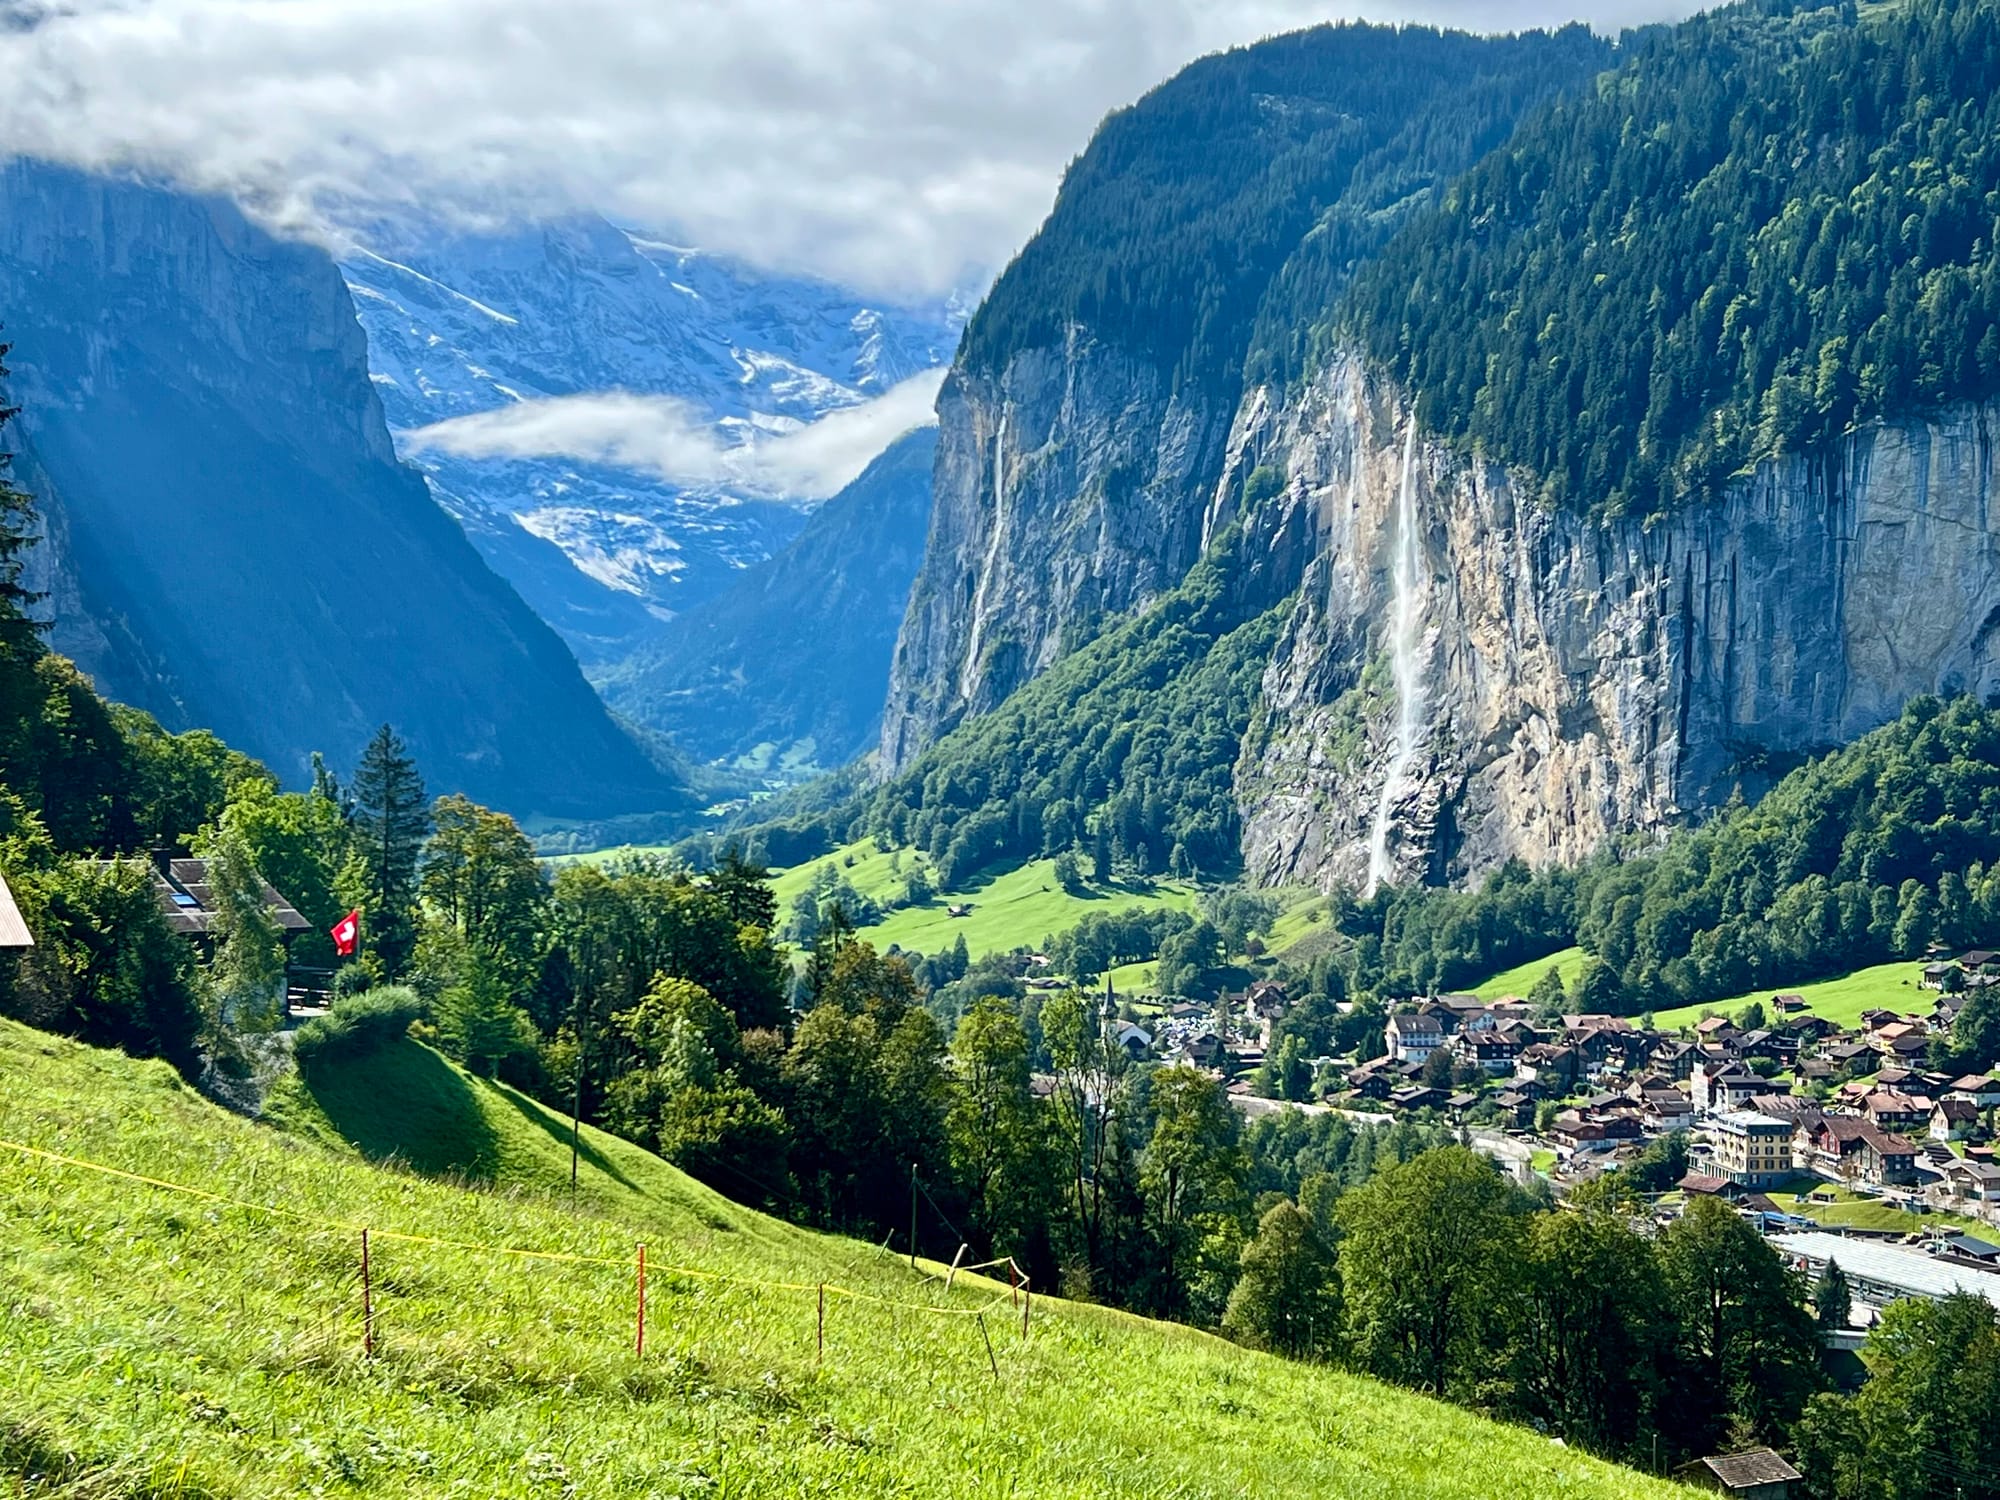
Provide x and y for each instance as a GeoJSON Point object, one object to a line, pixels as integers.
{"type": "Point", "coordinates": [1891, 986]}
{"type": "Point", "coordinates": [210, 1344]}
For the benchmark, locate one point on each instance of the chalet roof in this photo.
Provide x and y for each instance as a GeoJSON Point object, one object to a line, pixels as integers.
{"type": "Point", "coordinates": [1972, 1083]}
{"type": "Point", "coordinates": [1408, 1025]}
{"type": "Point", "coordinates": [1892, 1102]}
{"type": "Point", "coordinates": [1977, 1171]}
{"type": "Point", "coordinates": [1787, 1107]}
{"type": "Point", "coordinates": [1701, 1182]}
{"type": "Point", "coordinates": [13, 930]}
{"type": "Point", "coordinates": [1746, 1471]}
{"type": "Point", "coordinates": [1957, 1109]}
{"type": "Point", "coordinates": [188, 903]}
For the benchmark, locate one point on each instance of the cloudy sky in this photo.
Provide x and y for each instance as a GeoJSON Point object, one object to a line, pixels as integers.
{"type": "Point", "coordinates": [900, 146]}
{"type": "Point", "coordinates": [905, 148]}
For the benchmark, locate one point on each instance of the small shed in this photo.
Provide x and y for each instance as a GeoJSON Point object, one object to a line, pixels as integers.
{"type": "Point", "coordinates": [1758, 1474]}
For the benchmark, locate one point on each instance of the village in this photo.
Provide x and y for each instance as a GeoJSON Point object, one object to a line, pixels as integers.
{"type": "Point", "coordinates": [1838, 1142]}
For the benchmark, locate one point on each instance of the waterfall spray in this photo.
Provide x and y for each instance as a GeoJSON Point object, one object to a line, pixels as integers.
{"type": "Point", "coordinates": [1406, 625]}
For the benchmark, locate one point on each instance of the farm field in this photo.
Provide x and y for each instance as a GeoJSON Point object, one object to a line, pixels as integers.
{"type": "Point", "coordinates": [1011, 909]}
{"type": "Point", "coordinates": [208, 1342]}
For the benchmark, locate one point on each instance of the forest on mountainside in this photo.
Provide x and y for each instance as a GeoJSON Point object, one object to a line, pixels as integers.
{"type": "Point", "coordinates": [1869, 853]}
{"type": "Point", "coordinates": [1770, 224]}
{"type": "Point", "coordinates": [1171, 225]}
{"type": "Point", "coordinates": [1124, 751]}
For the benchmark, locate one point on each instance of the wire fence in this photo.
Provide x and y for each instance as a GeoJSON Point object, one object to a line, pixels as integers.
{"type": "Point", "coordinates": [368, 1236]}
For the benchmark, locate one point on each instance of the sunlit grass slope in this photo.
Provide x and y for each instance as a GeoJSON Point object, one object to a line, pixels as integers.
{"type": "Point", "coordinates": [163, 1345]}
{"type": "Point", "coordinates": [1014, 908]}
{"type": "Point", "coordinates": [1881, 986]}
{"type": "Point", "coordinates": [1519, 980]}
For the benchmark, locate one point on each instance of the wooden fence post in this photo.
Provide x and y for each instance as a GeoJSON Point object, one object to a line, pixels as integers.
{"type": "Point", "coordinates": [820, 1356]}
{"type": "Point", "coordinates": [367, 1303]}
{"type": "Point", "coordinates": [639, 1346]}
{"type": "Point", "coordinates": [952, 1275]}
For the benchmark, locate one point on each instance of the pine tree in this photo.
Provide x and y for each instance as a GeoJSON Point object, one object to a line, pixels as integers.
{"type": "Point", "coordinates": [481, 1024]}
{"type": "Point", "coordinates": [392, 819]}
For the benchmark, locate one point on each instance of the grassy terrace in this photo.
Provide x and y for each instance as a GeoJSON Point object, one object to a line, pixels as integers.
{"type": "Point", "coordinates": [1010, 909]}
{"type": "Point", "coordinates": [1852, 1210]}
{"type": "Point", "coordinates": [1887, 986]}
{"type": "Point", "coordinates": [165, 1345]}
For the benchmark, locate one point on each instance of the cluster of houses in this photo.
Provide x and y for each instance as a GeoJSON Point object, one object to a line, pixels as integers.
{"type": "Point", "coordinates": [1794, 1096]}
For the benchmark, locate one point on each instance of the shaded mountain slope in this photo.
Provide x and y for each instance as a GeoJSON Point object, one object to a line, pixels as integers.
{"type": "Point", "coordinates": [235, 543]}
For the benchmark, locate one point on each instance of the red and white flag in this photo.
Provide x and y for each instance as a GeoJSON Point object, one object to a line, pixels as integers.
{"type": "Point", "coordinates": [347, 934]}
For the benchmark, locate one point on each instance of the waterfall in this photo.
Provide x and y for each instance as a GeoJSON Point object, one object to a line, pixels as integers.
{"type": "Point", "coordinates": [967, 676]}
{"type": "Point", "coordinates": [1406, 628]}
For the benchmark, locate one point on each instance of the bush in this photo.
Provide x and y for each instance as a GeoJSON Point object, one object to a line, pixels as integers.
{"type": "Point", "coordinates": [358, 1024]}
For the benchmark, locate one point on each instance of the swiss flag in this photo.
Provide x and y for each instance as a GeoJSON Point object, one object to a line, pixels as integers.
{"type": "Point", "coordinates": [347, 933]}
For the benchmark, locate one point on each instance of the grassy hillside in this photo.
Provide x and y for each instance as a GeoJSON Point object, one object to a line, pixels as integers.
{"type": "Point", "coordinates": [1519, 980]}
{"type": "Point", "coordinates": [1891, 986]}
{"type": "Point", "coordinates": [165, 1344]}
{"type": "Point", "coordinates": [1011, 908]}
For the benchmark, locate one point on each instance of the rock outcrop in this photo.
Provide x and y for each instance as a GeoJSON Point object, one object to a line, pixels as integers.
{"type": "Point", "coordinates": [1587, 677]}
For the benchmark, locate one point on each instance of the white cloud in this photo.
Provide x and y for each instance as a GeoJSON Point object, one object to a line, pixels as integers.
{"type": "Point", "coordinates": [660, 435]}
{"type": "Point", "coordinates": [902, 146]}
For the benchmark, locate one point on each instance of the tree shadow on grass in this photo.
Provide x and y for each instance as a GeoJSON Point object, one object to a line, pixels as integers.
{"type": "Point", "coordinates": [404, 1103]}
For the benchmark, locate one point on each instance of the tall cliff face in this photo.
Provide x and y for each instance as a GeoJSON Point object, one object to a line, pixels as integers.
{"type": "Point", "coordinates": [233, 541]}
{"type": "Point", "coordinates": [1060, 499]}
{"type": "Point", "coordinates": [1579, 677]}
{"type": "Point", "coordinates": [1199, 235]}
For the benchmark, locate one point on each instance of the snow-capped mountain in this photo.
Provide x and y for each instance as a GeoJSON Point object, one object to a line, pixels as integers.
{"type": "Point", "coordinates": [462, 324]}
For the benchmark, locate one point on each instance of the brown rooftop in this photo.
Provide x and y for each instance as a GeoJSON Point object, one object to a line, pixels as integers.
{"type": "Point", "coordinates": [1743, 1471]}
{"type": "Point", "coordinates": [188, 903]}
